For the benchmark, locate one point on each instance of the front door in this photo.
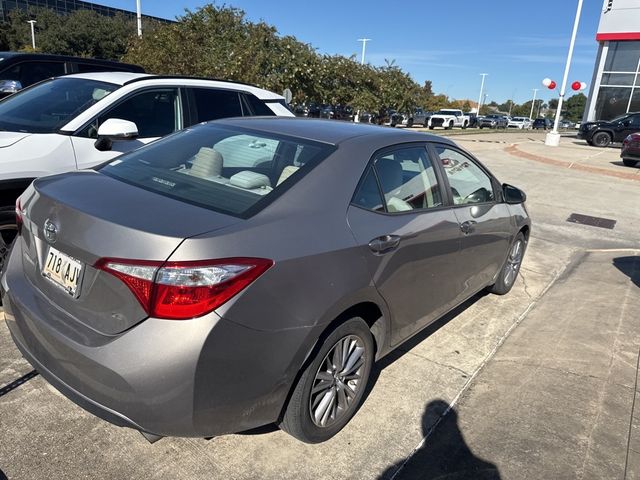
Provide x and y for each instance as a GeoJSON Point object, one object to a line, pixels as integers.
{"type": "Point", "coordinates": [485, 221]}
{"type": "Point", "coordinates": [156, 112]}
{"type": "Point", "coordinates": [409, 236]}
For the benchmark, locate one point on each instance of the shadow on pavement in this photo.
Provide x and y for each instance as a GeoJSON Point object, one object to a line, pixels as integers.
{"type": "Point", "coordinates": [445, 453]}
{"type": "Point", "coordinates": [3, 476]}
{"type": "Point", "coordinates": [630, 266]}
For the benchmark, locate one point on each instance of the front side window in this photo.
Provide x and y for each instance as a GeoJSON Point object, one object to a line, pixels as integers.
{"type": "Point", "coordinates": [225, 169]}
{"type": "Point", "coordinates": [28, 73]}
{"type": "Point", "coordinates": [407, 181]}
{"type": "Point", "coordinates": [47, 107]}
{"type": "Point", "coordinates": [156, 113]}
{"type": "Point", "coordinates": [469, 183]}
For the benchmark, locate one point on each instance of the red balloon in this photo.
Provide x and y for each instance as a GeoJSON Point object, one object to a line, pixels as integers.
{"type": "Point", "coordinates": [576, 86]}
{"type": "Point", "coordinates": [552, 85]}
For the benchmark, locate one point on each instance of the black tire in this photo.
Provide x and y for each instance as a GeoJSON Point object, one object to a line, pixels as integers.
{"type": "Point", "coordinates": [8, 231]}
{"type": "Point", "coordinates": [410, 123]}
{"type": "Point", "coordinates": [297, 418]}
{"type": "Point", "coordinates": [481, 127]}
{"type": "Point", "coordinates": [465, 125]}
{"type": "Point", "coordinates": [450, 127]}
{"type": "Point", "coordinates": [629, 162]}
{"type": "Point", "coordinates": [601, 139]}
{"type": "Point", "coordinates": [509, 271]}
{"type": "Point", "coordinates": [430, 127]}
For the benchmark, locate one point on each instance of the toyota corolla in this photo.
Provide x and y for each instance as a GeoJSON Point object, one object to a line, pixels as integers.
{"type": "Point", "coordinates": [250, 271]}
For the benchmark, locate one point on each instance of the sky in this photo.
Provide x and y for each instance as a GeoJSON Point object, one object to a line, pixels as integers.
{"type": "Point", "coordinates": [450, 42]}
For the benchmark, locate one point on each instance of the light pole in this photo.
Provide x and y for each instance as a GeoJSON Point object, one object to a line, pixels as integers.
{"type": "Point", "coordinates": [533, 102]}
{"type": "Point", "coordinates": [33, 33]}
{"type": "Point", "coordinates": [481, 89]}
{"type": "Point", "coordinates": [553, 137]}
{"type": "Point", "coordinates": [364, 48]}
{"type": "Point", "coordinates": [139, 18]}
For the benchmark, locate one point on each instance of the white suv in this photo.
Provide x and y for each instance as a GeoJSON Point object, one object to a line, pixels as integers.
{"type": "Point", "coordinates": [79, 121]}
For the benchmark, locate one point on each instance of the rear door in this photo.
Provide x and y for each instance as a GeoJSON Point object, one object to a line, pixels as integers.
{"type": "Point", "coordinates": [409, 236]}
{"type": "Point", "coordinates": [485, 221]}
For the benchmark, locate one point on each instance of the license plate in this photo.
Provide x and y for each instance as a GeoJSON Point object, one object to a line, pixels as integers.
{"type": "Point", "coordinates": [63, 270]}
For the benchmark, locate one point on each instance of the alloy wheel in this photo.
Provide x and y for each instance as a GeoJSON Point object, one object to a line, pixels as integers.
{"type": "Point", "coordinates": [337, 381]}
{"type": "Point", "coordinates": [513, 262]}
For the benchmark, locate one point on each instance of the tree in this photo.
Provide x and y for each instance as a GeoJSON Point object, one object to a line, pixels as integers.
{"type": "Point", "coordinates": [573, 108]}
{"type": "Point", "coordinates": [553, 104]}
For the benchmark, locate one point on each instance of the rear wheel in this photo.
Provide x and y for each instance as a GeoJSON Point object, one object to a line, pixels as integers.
{"type": "Point", "coordinates": [509, 273]}
{"type": "Point", "coordinates": [8, 232]}
{"type": "Point", "coordinates": [331, 387]}
{"type": "Point", "coordinates": [430, 127]}
{"type": "Point", "coordinates": [629, 162]}
{"type": "Point", "coordinates": [410, 123]}
{"type": "Point", "coordinates": [601, 139]}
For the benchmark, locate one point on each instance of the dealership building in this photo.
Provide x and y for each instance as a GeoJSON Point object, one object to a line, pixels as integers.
{"type": "Point", "coordinates": [65, 6]}
{"type": "Point", "coordinates": [615, 88]}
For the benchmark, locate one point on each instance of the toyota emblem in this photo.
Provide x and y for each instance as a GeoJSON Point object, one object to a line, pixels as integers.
{"type": "Point", "coordinates": [50, 231]}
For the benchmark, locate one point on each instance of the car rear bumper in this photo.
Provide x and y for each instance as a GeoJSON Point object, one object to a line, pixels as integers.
{"type": "Point", "coordinates": [202, 377]}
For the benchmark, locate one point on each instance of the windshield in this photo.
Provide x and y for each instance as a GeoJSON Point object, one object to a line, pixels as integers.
{"type": "Point", "coordinates": [48, 106]}
{"type": "Point", "coordinates": [229, 170]}
{"type": "Point", "coordinates": [449, 112]}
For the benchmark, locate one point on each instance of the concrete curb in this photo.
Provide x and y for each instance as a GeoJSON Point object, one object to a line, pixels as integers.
{"type": "Point", "coordinates": [513, 150]}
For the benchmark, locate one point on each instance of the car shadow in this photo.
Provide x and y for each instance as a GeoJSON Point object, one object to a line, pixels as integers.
{"type": "Point", "coordinates": [621, 164]}
{"type": "Point", "coordinates": [444, 454]}
{"type": "Point", "coordinates": [3, 476]}
{"type": "Point", "coordinates": [630, 266]}
{"type": "Point", "coordinates": [408, 345]}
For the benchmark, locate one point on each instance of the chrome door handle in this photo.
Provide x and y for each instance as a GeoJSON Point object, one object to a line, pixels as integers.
{"type": "Point", "coordinates": [385, 243]}
{"type": "Point", "coordinates": [468, 227]}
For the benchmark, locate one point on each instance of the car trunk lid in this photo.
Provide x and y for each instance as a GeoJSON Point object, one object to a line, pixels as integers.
{"type": "Point", "coordinates": [88, 216]}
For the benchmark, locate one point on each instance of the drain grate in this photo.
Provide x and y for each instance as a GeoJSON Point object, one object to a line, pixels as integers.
{"type": "Point", "coordinates": [592, 221]}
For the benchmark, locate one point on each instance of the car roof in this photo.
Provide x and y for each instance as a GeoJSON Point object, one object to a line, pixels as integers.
{"type": "Point", "coordinates": [66, 58]}
{"type": "Point", "coordinates": [332, 132]}
{"type": "Point", "coordinates": [128, 78]}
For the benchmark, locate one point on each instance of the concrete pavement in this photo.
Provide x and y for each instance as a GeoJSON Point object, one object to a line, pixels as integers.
{"type": "Point", "coordinates": [459, 360]}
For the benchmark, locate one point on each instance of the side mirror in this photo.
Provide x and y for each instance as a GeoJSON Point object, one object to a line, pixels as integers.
{"type": "Point", "coordinates": [8, 87]}
{"type": "Point", "coordinates": [513, 195]}
{"type": "Point", "coordinates": [115, 129]}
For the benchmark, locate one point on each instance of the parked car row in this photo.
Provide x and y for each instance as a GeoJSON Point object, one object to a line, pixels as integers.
{"type": "Point", "coordinates": [176, 237]}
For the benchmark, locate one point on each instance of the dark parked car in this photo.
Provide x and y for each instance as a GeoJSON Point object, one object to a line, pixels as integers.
{"type": "Point", "coordinates": [541, 123]}
{"type": "Point", "coordinates": [419, 116]}
{"type": "Point", "coordinates": [389, 116]}
{"type": "Point", "coordinates": [493, 121]}
{"type": "Point", "coordinates": [630, 153]}
{"type": "Point", "coordinates": [473, 119]}
{"type": "Point", "coordinates": [343, 112]}
{"type": "Point", "coordinates": [601, 133]}
{"type": "Point", "coordinates": [20, 70]}
{"type": "Point", "coordinates": [368, 117]}
{"type": "Point", "coordinates": [200, 285]}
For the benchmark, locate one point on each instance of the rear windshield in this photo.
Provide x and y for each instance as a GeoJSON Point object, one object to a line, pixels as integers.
{"type": "Point", "coordinates": [229, 170]}
{"type": "Point", "coordinates": [48, 106]}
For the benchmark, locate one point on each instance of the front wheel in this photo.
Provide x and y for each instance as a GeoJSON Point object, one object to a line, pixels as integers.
{"type": "Point", "coordinates": [410, 123]}
{"type": "Point", "coordinates": [331, 387]}
{"type": "Point", "coordinates": [450, 127]}
{"type": "Point", "coordinates": [601, 139]}
{"type": "Point", "coordinates": [511, 268]}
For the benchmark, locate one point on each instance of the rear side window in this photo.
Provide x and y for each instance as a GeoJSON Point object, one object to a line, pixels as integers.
{"type": "Point", "coordinates": [225, 169]}
{"type": "Point", "coordinates": [368, 194]}
{"type": "Point", "coordinates": [407, 179]}
{"type": "Point", "coordinates": [212, 104]}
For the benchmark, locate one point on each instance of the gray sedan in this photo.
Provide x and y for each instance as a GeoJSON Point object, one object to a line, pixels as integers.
{"type": "Point", "coordinates": [250, 271]}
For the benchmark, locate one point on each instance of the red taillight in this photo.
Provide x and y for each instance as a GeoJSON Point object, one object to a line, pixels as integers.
{"type": "Point", "coordinates": [19, 219]}
{"type": "Point", "coordinates": [183, 290]}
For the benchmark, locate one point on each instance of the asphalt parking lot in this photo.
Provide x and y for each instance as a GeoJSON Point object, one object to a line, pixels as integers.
{"type": "Point", "coordinates": [540, 383]}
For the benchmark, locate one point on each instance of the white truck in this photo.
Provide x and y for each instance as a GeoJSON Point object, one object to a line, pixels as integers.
{"type": "Point", "coordinates": [449, 118]}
